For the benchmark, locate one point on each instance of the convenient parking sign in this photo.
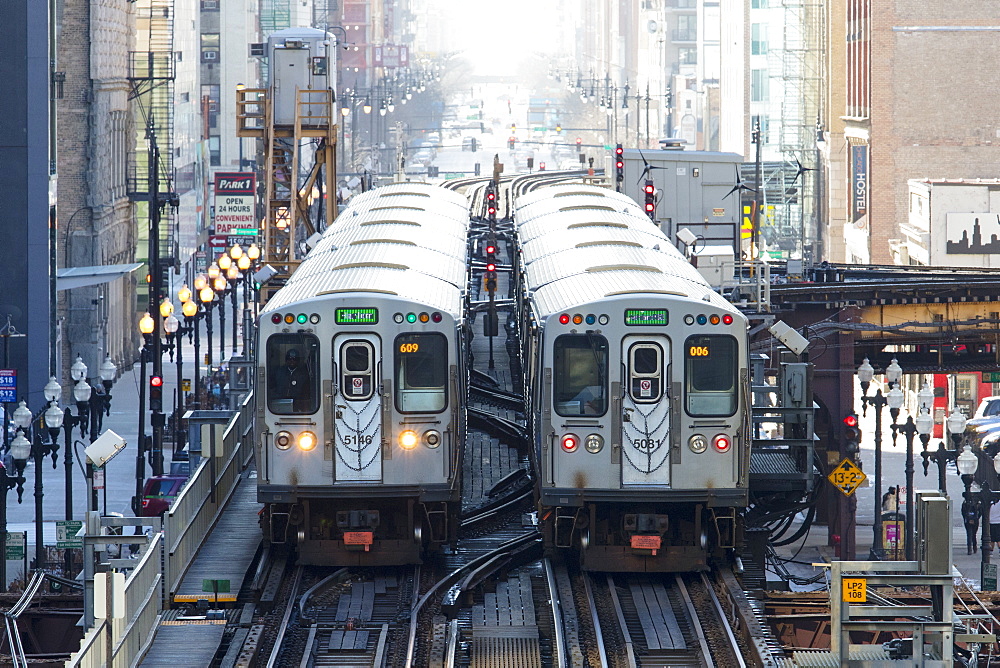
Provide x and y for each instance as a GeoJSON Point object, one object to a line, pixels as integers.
{"type": "Point", "coordinates": [8, 385]}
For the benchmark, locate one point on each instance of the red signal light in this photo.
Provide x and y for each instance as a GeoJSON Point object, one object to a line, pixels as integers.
{"type": "Point", "coordinates": [619, 164]}
{"type": "Point", "coordinates": [650, 207]}
{"type": "Point", "coordinates": [490, 266]}
{"type": "Point", "coordinates": [156, 381]}
{"type": "Point", "coordinates": [619, 150]}
{"type": "Point", "coordinates": [579, 140]}
{"type": "Point", "coordinates": [649, 189]}
{"type": "Point", "coordinates": [491, 196]}
{"type": "Point", "coordinates": [851, 420]}
{"type": "Point", "coordinates": [491, 249]}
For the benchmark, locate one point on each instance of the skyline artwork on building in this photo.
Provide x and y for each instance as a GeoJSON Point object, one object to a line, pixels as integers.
{"type": "Point", "coordinates": [972, 233]}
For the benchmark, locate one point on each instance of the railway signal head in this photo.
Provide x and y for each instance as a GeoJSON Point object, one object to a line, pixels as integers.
{"type": "Point", "coordinates": [619, 163]}
{"type": "Point", "coordinates": [649, 194]}
{"type": "Point", "coordinates": [491, 203]}
{"type": "Point", "coordinates": [541, 166]}
{"type": "Point", "coordinates": [579, 142]}
{"type": "Point", "coordinates": [852, 434]}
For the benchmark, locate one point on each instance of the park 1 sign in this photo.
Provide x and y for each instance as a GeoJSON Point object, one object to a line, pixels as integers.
{"type": "Point", "coordinates": [235, 210]}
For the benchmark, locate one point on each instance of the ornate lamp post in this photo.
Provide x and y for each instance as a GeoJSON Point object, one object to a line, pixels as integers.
{"type": "Point", "coordinates": [968, 464]}
{"type": "Point", "coordinates": [865, 373]}
{"type": "Point", "coordinates": [233, 276]}
{"type": "Point", "coordinates": [19, 451]}
{"type": "Point", "coordinates": [24, 420]}
{"type": "Point", "coordinates": [190, 310]}
{"type": "Point", "coordinates": [243, 264]}
{"type": "Point", "coordinates": [909, 431]}
{"type": "Point", "coordinates": [207, 297]}
{"type": "Point", "coordinates": [108, 374]}
{"type": "Point", "coordinates": [146, 327]}
{"type": "Point", "coordinates": [220, 285]}
{"type": "Point", "coordinates": [956, 427]}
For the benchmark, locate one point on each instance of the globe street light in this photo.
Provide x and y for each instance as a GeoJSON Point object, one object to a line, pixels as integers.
{"type": "Point", "coordinates": [968, 465]}
{"type": "Point", "coordinates": [220, 285]}
{"type": "Point", "coordinates": [207, 297]}
{"type": "Point", "coordinates": [233, 276]}
{"type": "Point", "coordinates": [19, 451]}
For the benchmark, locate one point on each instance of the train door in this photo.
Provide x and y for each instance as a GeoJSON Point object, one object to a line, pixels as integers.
{"type": "Point", "coordinates": [645, 410]}
{"type": "Point", "coordinates": [358, 407]}
{"type": "Point", "coordinates": [289, 71]}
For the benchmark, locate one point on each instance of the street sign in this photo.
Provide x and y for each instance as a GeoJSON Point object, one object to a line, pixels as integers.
{"type": "Point", "coordinates": [99, 478]}
{"type": "Point", "coordinates": [66, 531]}
{"type": "Point", "coordinates": [186, 385]}
{"type": "Point", "coordinates": [15, 545]}
{"type": "Point", "coordinates": [989, 577]}
{"type": "Point", "coordinates": [8, 385]}
{"type": "Point", "coordinates": [847, 477]}
{"type": "Point", "coordinates": [991, 376]}
{"type": "Point", "coordinates": [854, 590]}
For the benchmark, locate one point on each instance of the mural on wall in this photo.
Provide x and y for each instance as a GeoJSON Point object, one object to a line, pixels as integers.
{"type": "Point", "coordinates": [972, 233]}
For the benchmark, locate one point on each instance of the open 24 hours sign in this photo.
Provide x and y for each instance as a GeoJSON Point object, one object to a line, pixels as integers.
{"type": "Point", "coordinates": [235, 209]}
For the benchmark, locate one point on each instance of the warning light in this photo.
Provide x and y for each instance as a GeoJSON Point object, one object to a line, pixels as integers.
{"type": "Point", "coordinates": [619, 164]}
{"type": "Point", "coordinates": [490, 266]}
{"type": "Point", "coordinates": [156, 393]}
{"type": "Point", "coordinates": [156, 381]}
{"type": "Point", "coordinates": [579, 141]}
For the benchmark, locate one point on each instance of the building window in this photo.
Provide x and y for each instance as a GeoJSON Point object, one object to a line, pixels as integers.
{"type": "Point", "coordinates": [210, 47]}
{"type": "Point", "coordinates": [758, 39]}
{"type": "Point", "coordinates": [758, 4]}
{"type": "Point", "coordinates": [758, 85]}
{"type": "Point", "coordinates": [765, 127]}
{"type": "Point", "coordinates": [687, 56]}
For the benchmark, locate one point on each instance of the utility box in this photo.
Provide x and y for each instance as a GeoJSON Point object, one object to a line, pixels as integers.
{"type": "Point", "coordinates": [301, 59]}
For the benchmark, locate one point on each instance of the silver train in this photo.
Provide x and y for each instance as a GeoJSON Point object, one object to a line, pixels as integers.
{"type": "Point", "coordinates": [636, 381]}
{"type": "Point", "coordinates": [361, 384]}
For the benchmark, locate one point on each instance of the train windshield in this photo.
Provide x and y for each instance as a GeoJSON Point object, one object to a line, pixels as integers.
{"type": "Point", "coordinates": [581, 375]}
{"type": "Point", "coordinates": [291, 374]}
{"type": "Point", "coordinates": [421, 373]}
{"type": "Point", "coordinates": [711, 366]}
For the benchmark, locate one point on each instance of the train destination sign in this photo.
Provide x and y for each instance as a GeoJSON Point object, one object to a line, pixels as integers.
{"type": "Point", "coordinates": [235, 210]}
{"type": "Point", "coordinates": [356, 316]}
{"type": "Point", "coordinates": [645, 316]}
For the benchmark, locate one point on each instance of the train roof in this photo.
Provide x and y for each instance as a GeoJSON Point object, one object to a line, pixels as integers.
{"type": "Point", "coordinates": [561, 193]}
{"type": "Point", "coordinates": [583, 244]}
{"type": "Point", "coordinates": [376, 281]}
{"type": "Point", "coordinates": [573, 261]}
{"type": "Point", "coordinates": [416, 189]}
{"type": "Point", "coordinates": [571, 291]}
{"type": "Point", "coordinates": [406, 240]}
{"type": "Point", "coordinates": [387, 253]}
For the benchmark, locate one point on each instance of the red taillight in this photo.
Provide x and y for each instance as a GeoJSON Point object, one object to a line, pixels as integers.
{"type": "Point", "coordinates": [564, 319]}
{"type": "Point", "coordinates": [145, 503]}
{"type": "Point", "coordinates": [570, 443]}
{"type": "Point", "coordinates": [436, 317]}
{"type": "Point", "coordinates": [722, 443]}
{"type": "Point", "coordinates": [276, 318]}
{"type": "Point", "coordinates": [727, 319]}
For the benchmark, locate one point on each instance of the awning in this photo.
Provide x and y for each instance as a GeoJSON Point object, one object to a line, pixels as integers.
{"type": "Point", "coordinates": [82, 277]}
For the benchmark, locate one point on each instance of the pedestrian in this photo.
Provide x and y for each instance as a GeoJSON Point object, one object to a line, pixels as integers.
{"type": "Point", "coordinates": [994, 526]}
{"type": "Point", "coordinates": [970, 518]}
{"type": "Point", "coordinates": [890, 503]}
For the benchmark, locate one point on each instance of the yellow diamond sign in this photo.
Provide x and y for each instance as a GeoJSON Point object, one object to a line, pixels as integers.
{"type": "Point", "coordinates": [847, 477]}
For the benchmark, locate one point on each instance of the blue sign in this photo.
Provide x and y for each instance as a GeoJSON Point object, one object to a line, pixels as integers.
{"type": "Point", "coordinates": [8, 385]}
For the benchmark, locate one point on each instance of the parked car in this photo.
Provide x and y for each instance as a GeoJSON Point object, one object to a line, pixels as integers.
{"type": "Point", "coordinates": [159, 493]}
{"type": "Point", "coordinates": [988, 407]}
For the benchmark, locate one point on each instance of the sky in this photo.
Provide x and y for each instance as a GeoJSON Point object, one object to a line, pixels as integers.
{"type": "Point", "coordinates": [493, 36]}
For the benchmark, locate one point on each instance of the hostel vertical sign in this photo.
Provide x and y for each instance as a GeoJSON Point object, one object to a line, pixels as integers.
{"type": "Point", "coordinates": [234, 204]}
{"type": "Point", "coordinates": [859, 185]}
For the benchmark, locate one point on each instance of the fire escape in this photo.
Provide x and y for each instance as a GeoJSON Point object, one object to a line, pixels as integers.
{"type": "Point", "coordinates": [151, 81]}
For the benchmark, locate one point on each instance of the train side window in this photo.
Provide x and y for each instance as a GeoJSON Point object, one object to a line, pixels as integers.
{"type": "Point", "coordinates": [580, 375]}
{"type": "Point", "coordinates": [645, 373]}
{"type": "Point", "coordinates": [291, 366]}
{"type": "Point", "coordinates": [357, 370]}
{"type": "Point", "coordinates": [421, 364]}
{"type": "Point", "coordinates": [710, 372]}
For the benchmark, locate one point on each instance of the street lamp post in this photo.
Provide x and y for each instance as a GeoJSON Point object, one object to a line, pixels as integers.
{"type": "Point", "coordinates": [220, 285]}
{"type": "Point", "coordinates": [146, 327]}
{"type": "Point", "coordinates": [909, 431]}
{"type": "Point", "coordinates": [233, 276]}
{"type": "Point", "coordinates": [24, 419]}
{"type": "Point", "coordinates": [207, 295]}
{"type": "Point", "coordinates": [968, 465]}
{"type": "Point", "coordinates": [19, 451]}
{"type": "Point", "coordinates": [865, 375]}
{"type": "Point", "coordinates": [956, 426]}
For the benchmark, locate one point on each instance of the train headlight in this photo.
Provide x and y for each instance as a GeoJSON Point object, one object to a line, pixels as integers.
{"type": "Point", "coordinates": [722, 442]}
{"type": "Point", "coordinates": [593, 443]}
{"type": "Point", "coordinates": [432, 438]}
{"type": "Point", "coordinates": [698, 443]}
{"type": "Point", "coordinates": [307, 441]}
{"type": "Point", "coordinates": [408, 439]}
{"type": "Point", "coordinates": [283, 440]}
{"type": "Point", "coordinates": [570, 442]}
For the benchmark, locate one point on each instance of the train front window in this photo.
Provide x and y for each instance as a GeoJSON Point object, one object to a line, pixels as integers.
{"type": "Point", "coordinates": [645, 373]}
{"type": "Point", "coordinates": [357, 370]}
{"type": "Point", "coordinates": [421, 363]}
{"type": "Point", "coordinates": [292, 388]}
{"type": "Point", "coordinates": [710, 371]}
{"type": "Point", "coordinates": [580, 370]}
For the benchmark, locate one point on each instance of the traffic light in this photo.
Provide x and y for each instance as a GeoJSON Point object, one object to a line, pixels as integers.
{"type": "Point", "coordinates": [510, 143]}
{"type": "Point", "coordinates": [619, 164]}
{"type": "Point", "coordinates": [531, 162]}
{"type": "Point", "coordinates": [156, 393]}
{"type": "Point", "coordinates": [541, 166]}
{"type": "Point", "coordinates": [491, 257]}
{"type": "Point", "coordinates": [579, 143]}
{"type": "Point", "coordinates": [852, 434]}
{"type": "Point", "coordinates": [649, 192]}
